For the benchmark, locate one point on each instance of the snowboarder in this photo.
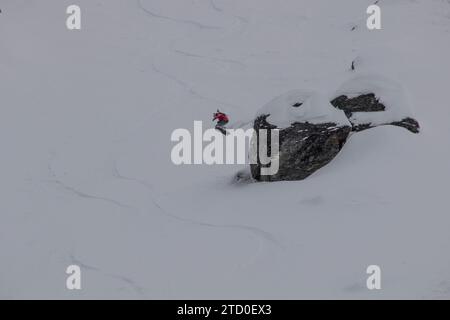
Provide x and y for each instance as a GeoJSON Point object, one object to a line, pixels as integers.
{"type": "Point", "coordinates": [222, 120]}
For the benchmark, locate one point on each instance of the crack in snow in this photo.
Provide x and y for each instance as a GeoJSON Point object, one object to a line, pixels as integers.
{"type": "Point", "coordinates": [84, 195]}
{"type": "Point", "coordinates": [261, 234]}
{"type": "Point", "coordinates": [128, 281]}
{"type": "Point", "coordinates": [193, 55]}
{"type": "Point", "coordinates": [55, 180]}
{"type": "Point", "coordinates": [189, 88]}
{"type": "Point", "coordinates": [183, 21]}
{"type": "Point", "coordinates": [216, 8]}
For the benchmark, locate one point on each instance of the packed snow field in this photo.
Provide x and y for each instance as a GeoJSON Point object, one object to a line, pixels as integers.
{"type": "Point", "coordinates": [87, 179]}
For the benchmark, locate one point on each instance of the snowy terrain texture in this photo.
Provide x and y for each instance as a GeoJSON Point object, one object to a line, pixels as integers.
{"type": "Point", "coordinates": [87, 179]}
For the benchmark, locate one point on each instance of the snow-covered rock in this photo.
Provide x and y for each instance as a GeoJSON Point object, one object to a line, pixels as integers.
{"type": "Point", "coordinates": [301, 106]}
{"type": "Point", "coordinates": [372, 100]}
{"type": "Point", "coordinates": [312, 133]}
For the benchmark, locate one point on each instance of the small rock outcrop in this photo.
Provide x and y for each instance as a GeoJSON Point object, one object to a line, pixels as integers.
{"type": "Point", "coordinates": [370, 101]}
{"type": "Point", "coordinates": [312, 130]}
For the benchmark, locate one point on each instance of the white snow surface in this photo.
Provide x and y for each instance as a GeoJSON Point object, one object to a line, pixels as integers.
{"type": "Point", "coordinates": [86, 176]}
{"type": "Point", "coordinates": [389, 92]}
{"type": "Point", "coordinates": [315, 108]}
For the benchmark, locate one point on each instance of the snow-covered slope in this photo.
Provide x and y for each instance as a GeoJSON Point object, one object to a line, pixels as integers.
{"type": "Point", "coordinates": [86, 175]}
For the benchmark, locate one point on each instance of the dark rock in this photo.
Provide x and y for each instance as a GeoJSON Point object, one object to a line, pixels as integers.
{"type": "Point", "coordinates": [362, 103]}
{"type": "Point", "coordinates": [369, 103]}
{"type": "Point", "coordinates": [408, 123]}
{"type": "Point", "coordinates": [304, 148]}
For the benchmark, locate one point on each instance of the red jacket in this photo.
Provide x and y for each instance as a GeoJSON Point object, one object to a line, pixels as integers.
{"type": "Point", "coordinates": [221, 117]}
